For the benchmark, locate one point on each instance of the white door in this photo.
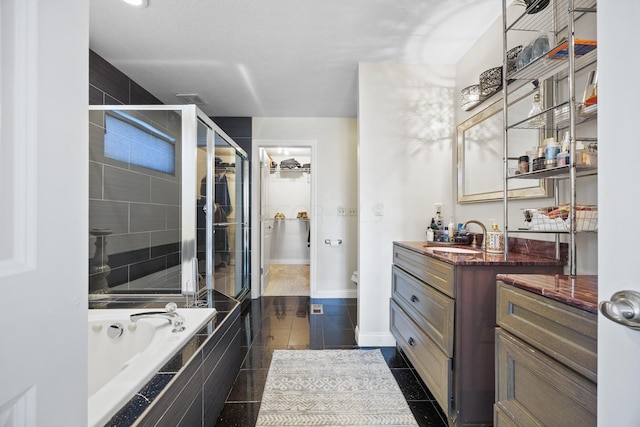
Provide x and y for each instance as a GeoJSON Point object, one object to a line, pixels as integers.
{"type": "Point", "coordinates": [266, 222]}
{"type": "Point", "coordinates": [619, 204]}
{"type": "Point", "coordinates": [44, 212]}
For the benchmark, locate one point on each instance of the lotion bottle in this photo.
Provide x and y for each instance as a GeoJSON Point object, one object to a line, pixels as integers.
{"type": "Point", "coordinates": [495, 239]}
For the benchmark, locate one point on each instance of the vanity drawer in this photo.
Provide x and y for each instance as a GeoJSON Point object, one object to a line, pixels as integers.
{"type": "Point", "coordinates": [568, 334]}
{"type": "Point", "coordinates": [534, 389]}
{"type": "Point", "coordinates": [430, 309]}
{"type": "Point", "coordinates": [433, 366]}
{"type": "Point", "coordinates": [436, 273]}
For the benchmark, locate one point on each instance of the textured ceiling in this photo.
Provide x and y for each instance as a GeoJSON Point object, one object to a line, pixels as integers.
{"type": "Point", "coordinates": [278, 58]}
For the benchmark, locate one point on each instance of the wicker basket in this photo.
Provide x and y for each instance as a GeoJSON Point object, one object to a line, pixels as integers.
{"type": "Point", "coordinates": [512, 57]}
{"type": "Point", "coordinates": [470, 97]}
{"type": "Point", "coordinates": [557, 218]}
{"type": "Point", "coordinates": [490, 81]}
{"type": "Point", "coordinates": [539, 5]}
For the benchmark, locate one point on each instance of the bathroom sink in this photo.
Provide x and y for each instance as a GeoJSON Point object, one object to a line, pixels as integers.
{"type": "Point", "coordinates": [453, 250]}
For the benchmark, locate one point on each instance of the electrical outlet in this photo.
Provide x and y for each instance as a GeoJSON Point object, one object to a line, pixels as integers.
{"type": "Point", "coordinates": [352, 212]}
{"type": "Point", "coordinates": [341, 211]}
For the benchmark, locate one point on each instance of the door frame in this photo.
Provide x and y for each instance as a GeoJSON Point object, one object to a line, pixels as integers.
{"type": "Point", "coordinates": [256, 230]}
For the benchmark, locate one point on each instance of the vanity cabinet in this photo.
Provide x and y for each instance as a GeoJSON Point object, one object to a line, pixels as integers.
{"type": "Point", "coordinates": [442, 315]}
{"type": "Point", "coordinates": [546, 361]}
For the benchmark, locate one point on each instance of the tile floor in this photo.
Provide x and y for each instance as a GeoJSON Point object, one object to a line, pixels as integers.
{"type": "Point", "coordinates": [288, 279]}
{"type": "Point", "coordinates": [285, 322]}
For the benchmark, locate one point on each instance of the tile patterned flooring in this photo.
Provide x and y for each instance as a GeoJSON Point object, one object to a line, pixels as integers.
{"type": "Point", "coordinates": [288, 279]}
{"type": "Point", "coordinates": [285, 322]}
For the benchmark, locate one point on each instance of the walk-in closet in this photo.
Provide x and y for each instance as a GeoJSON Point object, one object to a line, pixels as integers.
{"type": "Point", "coordinates": [286, 212]}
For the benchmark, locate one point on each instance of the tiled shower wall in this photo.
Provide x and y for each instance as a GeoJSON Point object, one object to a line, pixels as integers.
{"type": "Point", "coordinates": [140, 206]}
{"type": "Point", "coordinates": [129, 256]}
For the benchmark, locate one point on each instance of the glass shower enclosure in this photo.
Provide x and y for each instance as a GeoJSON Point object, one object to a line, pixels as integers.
{"type": "Point", "coordinates": [168, 205]}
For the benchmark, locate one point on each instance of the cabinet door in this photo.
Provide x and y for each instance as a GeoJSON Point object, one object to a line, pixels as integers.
{"type": "Point", "coordinates": [433, 366]}
{"type": "Point", "coordinates": [501, 419]}
{"type": "Point", "coordinates": [533, 389]}
{"type": "Point", "coordinates": [432, 311]}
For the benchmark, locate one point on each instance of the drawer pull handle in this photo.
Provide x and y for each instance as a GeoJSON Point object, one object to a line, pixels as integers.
{"type": "Point", "coordinates": [624, 308]}
{"type": "Point", "coordinates": [414, 298]}
{"type": "Point", "coordinates": [412, 342]}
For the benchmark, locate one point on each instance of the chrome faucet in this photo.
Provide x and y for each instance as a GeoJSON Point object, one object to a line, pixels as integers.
{"type": "Point", "coordinates": [170, 314]}
{"type": "Point", "coordinates": [484, 231]}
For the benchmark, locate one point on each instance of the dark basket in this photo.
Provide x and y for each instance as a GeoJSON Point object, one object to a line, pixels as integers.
{"type": "Point", "coordinates": [490, 81]}
{"type": "Point", "coordinates": [470, 97]}
{"type": "Point", "coordinates": [512, 57]}
{"type": "Point", "coordinates": [537, 7]}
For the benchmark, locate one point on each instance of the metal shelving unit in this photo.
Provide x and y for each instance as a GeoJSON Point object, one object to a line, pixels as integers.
{"type": "Point", "coordinates": [558, 18]}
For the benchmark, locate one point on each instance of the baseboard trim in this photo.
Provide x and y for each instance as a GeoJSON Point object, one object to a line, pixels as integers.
{"type": "Point", "coordinates": [375, 339]}
{"type": "Point", "coordinates": [344, 293]}
{"type": "Point", "coordinates": [289, 261]}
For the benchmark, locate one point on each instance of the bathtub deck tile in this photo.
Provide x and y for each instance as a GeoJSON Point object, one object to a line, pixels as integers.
{"type": "Point", "coordinates": [140, 402]}
{"type": "Point", "coordinates": [177, 398]}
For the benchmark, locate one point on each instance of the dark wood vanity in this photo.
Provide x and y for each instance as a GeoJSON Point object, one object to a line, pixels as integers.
{"type": "Point", "coordinates": [443, 316]}
{"type": "Point", "coordinates": [546, 350]}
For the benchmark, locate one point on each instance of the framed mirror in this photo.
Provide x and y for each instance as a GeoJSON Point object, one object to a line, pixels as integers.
{"type": "Point", "coordinates": [480, 152]}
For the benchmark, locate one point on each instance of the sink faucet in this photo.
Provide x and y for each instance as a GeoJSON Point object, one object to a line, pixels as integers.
{"type": "Point", "coordinates": [484, 232]}
{"type": "Point", "coordinates": [170, 314]}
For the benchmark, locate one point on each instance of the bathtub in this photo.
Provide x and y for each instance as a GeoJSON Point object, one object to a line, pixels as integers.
{"type": "Point", "coordinates": [120, 367]}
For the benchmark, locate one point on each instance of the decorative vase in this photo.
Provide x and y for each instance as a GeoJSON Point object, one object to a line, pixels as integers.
{"type": "Point", "coordinates": [98, 267]}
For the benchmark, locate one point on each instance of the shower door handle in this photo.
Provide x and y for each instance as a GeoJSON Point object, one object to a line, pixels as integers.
{"type": "Point", "coordinates": [624, 308]}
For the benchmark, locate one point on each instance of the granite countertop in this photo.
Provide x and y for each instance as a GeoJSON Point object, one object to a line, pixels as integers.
{"type": "Point", "coordinates": [579, 291]}
{"type": "Point", "coordinates": [479, 257]}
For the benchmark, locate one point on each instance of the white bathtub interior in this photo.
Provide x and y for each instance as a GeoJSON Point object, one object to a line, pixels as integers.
{"type": "Point", "coordinates": [120, 367]}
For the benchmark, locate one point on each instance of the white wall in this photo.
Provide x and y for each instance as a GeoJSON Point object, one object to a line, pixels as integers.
{"type": "Point", "coordinates": [405, 123]}
{"type": "Point", "coordinates": [44, 297]}
{"type": "Point", "coordinates": [335, 175]}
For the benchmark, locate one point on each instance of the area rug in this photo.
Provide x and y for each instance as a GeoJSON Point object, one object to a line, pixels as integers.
{"type": "Point", "coordinates": [332, 388]}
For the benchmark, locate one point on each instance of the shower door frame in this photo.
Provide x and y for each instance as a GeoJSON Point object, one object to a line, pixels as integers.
{"type": "Point", "coordinates": [191, 115]}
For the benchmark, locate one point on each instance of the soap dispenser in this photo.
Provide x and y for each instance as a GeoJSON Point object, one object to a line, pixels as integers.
{"type": "Point", "coordinates": [495, 239]}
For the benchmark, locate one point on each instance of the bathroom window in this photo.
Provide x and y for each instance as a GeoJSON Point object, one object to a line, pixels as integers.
{"type": "Point", "coordinates": [131, 140]}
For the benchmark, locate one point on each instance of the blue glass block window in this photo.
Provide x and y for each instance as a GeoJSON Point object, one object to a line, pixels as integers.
{"type": "Point", "coordinates": [136, 142]}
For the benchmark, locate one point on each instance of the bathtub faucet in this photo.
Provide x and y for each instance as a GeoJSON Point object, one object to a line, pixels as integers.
{"type": "Point", "coordinates": [170, 314]}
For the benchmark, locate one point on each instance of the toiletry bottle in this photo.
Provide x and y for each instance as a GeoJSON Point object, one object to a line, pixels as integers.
{"type": "Point", "coordinates": [536, 109]}
{"type": "Point", "coordinates": [451, 229]}
{"type": "Point", "coordinates": [551, 153]}
{"type": "Point", "coordinates": [495, 239]}
{"type": "Point", "coordinates": [563, 155]}
{"type": "Point", "coordinates": [538, 161]}
{"type": "Point", "coordinates": [429, 234]}
{"type": "Point", "coordinates": [591, 89]}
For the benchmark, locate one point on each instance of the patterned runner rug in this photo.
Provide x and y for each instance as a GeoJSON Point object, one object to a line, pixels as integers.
{"type": "Point", "coordinates": [332, 388]}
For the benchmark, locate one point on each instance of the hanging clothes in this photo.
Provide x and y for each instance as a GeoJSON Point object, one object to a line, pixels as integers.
{"type": "Point", "coordinates": [221, 195]}
{"type": "Point", "coordinates": [221, 209]}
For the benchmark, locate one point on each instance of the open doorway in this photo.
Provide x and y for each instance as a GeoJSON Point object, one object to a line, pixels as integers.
{"type": "Point", "coordinates": [285, 218]}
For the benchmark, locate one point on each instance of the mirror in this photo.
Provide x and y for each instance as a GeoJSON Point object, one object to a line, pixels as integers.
{"type": "Point", "coordinates": [480, 152]}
